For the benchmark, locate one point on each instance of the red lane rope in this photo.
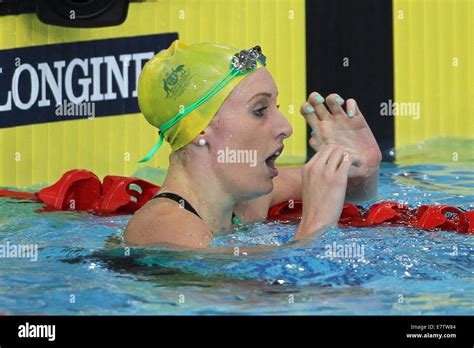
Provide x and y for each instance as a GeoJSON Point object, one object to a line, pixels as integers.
{"type": "Point", "coordinates": [81, 190]}
{"type": "Point", "coordinates": [16, 194]}
{"type": "Point", "coordinates": [426, 217]}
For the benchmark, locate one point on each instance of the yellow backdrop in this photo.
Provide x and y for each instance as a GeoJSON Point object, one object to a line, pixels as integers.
{"type": "Point", "coordinates": [39, 154]}
{"type": "Point", "coordinates": [433, 62]}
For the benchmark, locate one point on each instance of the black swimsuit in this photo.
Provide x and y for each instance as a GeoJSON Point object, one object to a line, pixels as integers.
{"type": "Point", "coordinates": [178, 199]}
{"type": "Point", "coordinates": [185, 204]}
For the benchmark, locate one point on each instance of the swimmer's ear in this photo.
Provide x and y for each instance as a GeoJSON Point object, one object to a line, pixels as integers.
{"type": "Point", "coordinates": [200, 140]}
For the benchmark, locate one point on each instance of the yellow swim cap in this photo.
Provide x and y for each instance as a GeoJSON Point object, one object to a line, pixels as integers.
{"type": "Point", "coordinates": [182, 87]}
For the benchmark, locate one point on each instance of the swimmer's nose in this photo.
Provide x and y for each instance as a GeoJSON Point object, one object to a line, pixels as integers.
{"type": "Point", "coordinates": [284, 127]}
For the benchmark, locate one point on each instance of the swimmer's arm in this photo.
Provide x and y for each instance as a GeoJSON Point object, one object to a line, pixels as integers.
{"type": "Point", "coordinates": [167, 226]}
{"type": "Point", "coordinates": [363, 188]}
{"type": "Point", "coordinates": [288, 186]}
{"type": "Point", "coordinates": [243, 251]}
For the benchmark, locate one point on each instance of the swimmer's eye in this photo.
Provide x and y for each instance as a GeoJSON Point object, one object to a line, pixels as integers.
{"type": "Point", "coordinates": [259, 112]}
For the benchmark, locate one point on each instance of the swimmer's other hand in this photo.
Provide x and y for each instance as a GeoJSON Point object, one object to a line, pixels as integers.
{"type": "Point", "coordinates": [324, 183]}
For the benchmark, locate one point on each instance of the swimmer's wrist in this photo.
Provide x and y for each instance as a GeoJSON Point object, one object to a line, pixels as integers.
{"type": "Point", "coordinates": [311, 227]}
{"type": "Point", "coordinates": [361, 189]}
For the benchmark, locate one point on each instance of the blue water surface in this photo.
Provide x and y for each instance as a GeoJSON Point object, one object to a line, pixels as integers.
{"type": "Point", "coordinates": [83, 267]}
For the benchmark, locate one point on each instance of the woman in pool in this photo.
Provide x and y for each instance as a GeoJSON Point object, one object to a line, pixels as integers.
{"type": "Point", "coordinates": [208, 100]}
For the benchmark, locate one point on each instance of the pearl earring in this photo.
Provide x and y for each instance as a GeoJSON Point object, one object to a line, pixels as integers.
{"type": "Point", "coordinates": [202, 142]}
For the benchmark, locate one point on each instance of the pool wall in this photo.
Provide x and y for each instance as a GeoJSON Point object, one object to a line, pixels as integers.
{"type": "Point", "coordinates": [38, 153]}
{"type": "Point", "coordinates": [413, 56]}
{"type": "Point", "coordinates": [434, 67]}
{"type": "Point", "coordinates": [409, 65]}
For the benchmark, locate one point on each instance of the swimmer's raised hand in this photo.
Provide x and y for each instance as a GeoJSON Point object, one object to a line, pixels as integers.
{"type": "Point", "coordinates": [339, 121]}
{"type": "Point", "coordinates": [324, 183]}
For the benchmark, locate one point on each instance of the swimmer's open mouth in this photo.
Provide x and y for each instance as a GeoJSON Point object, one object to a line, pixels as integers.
{"type": "Point", "coordinates": [270, 161]}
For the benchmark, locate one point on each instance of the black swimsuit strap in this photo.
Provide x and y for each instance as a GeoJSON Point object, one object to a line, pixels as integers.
{"type": "Point", "coordinates": [178, 199]}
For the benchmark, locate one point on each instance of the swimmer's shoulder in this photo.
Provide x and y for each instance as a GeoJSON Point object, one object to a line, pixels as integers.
{"type": "Point", "coordinates": [164, 222]}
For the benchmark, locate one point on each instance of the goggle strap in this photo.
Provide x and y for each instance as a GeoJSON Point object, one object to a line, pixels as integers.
{"type": "Point", "coordinates": [167, 125]}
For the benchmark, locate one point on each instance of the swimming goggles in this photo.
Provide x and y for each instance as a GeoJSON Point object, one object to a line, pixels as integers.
{"type": "Point", "coordinates": [242, 63]}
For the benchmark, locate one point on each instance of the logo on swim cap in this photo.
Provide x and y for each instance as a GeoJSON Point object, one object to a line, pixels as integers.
{"type": "Point", "coordinates": [176, 82]}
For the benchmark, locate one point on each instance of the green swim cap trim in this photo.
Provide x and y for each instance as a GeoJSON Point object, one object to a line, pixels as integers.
{"type": "Point", "coordinates": [236, 220]}
{"type": "Point", "coordinates": [242, 63]}
{"type": "Point", "coordinates": [167, 125]}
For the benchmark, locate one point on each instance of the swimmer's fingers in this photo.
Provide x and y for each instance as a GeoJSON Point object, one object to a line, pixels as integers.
{"type": "Point", "coordinates": [342, 172]}
{"type": "Point", "coordinates": [352, 109]}
{"type": "Point", "coordinates": [307, 110]}
{"type": "Point", "coordinates": [321, 157]}
{"type": "Point", "coordinates": [315, 140]}
{"type": "Point", "coordinates": [316, 106]}
{"type": "Point", "coordinates": [314, 111]}
{"type": "Point", "coordinates": [343, 157]}
{"type": "Point", "coordinates": [337, 156]}
{"type": "Point", "coordinates": [335, 102]}
{"type": "Point", "coordinates": [317, 101]}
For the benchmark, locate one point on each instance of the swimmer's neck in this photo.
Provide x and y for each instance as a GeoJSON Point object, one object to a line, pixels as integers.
{"type": "Point", "coordinates": [202, 189]}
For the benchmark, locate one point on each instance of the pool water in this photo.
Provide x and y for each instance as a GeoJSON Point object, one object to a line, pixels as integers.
{"type": "Point", "coordinates": [83, 267]}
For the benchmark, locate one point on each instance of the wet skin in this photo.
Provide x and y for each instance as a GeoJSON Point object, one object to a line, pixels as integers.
{"type": "Point", "coordinates": [345, 167]}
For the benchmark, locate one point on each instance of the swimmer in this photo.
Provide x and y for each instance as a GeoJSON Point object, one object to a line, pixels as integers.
{"type": "Point", "coordinates": [208, 100]}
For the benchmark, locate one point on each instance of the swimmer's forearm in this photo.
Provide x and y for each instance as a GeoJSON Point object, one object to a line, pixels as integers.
{"type": "Point", "coordinates": [358, 189]}
{"type": "Point", "coordinates": [309, 231]}
{"type": "Point", "coordinates": [363, 188]}
{"type": "Point", "coordinates": [244, 250]}
{"type": "Point", "coordinates": [301, 238]}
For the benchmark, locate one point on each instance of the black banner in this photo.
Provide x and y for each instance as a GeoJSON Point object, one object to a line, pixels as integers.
{"type": "Point", "coordinates": [349, 51]}
{"type": "Point", "coordinates": [237, 330]}
{"type": "Point", "coordinates": [74, 80]}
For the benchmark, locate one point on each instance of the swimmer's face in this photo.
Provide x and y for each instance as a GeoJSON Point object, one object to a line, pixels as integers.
{"type": "Point", "coordinates": [247, 130]}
